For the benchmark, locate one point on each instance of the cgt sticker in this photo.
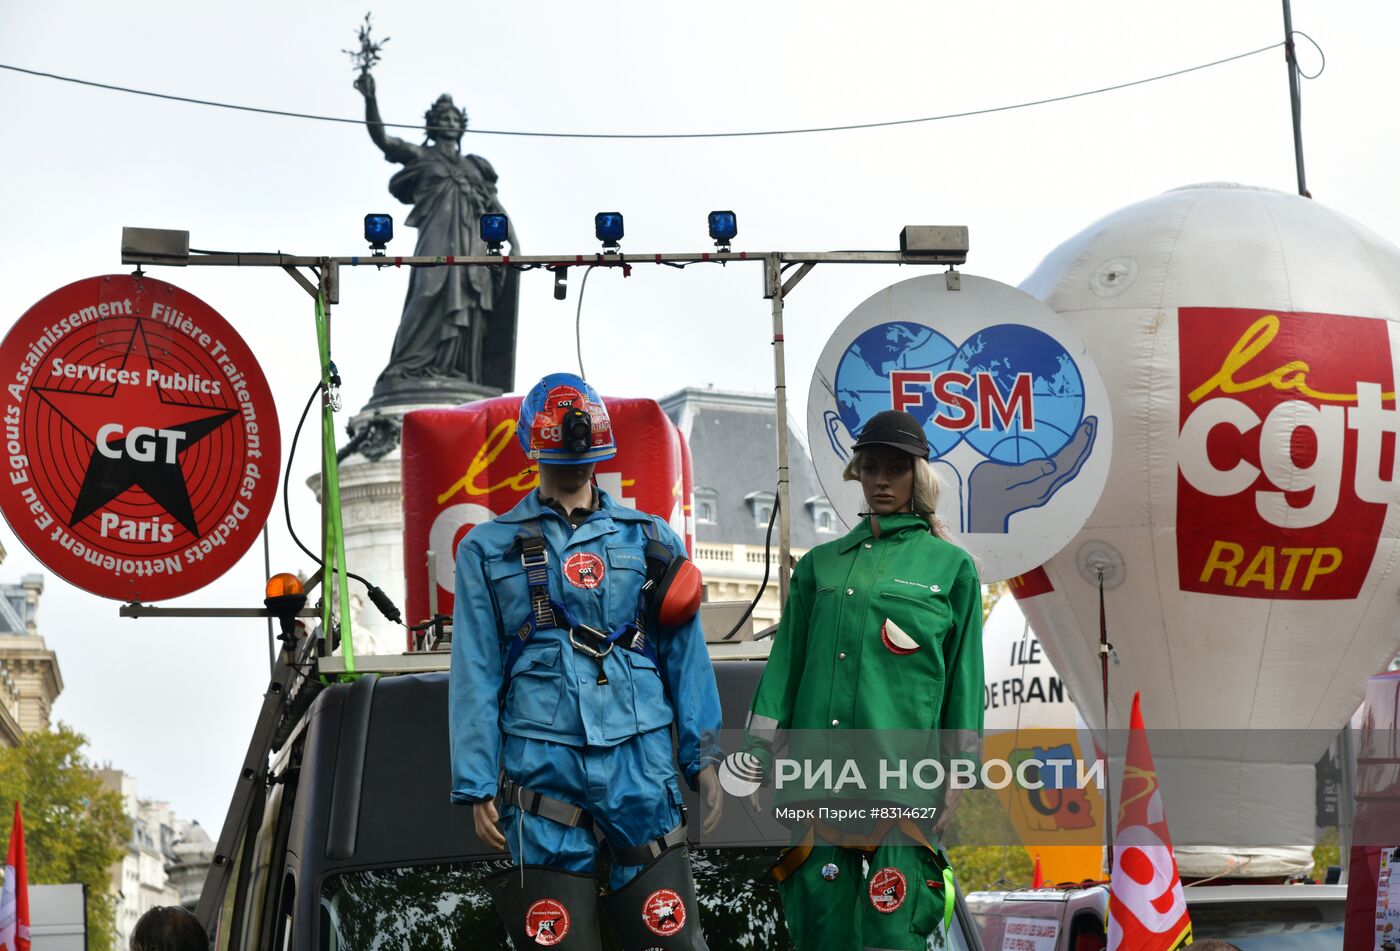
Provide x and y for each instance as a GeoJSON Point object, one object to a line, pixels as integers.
{"type": "Point", "coordinates": [663, 912]}
{"type": "Point", "coordinates": [584, 570]}
{"type": "Point", "coordinates": [887, 890]}
{"type": "Point", "coordinates": [142, 440]}
{"type": "Point", "coordinates": [1286, 454]}
{"type": "Point", "coordinates": [547, 921]}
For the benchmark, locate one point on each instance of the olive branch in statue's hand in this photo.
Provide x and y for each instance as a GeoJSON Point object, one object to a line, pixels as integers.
{"type": "Point", "coordinates": [367, 56]}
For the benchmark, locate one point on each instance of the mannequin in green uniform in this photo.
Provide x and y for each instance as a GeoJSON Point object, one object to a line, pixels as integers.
{"type": "Point", "coordinates": [882, 630]}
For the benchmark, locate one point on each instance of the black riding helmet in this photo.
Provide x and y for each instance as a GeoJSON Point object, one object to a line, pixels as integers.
{"type": "Point", "coordinates": [894, 428]}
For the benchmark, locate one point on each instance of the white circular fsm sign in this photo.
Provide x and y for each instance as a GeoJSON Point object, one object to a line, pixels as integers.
{"type": "Point", "coordinates": [1015, 412]}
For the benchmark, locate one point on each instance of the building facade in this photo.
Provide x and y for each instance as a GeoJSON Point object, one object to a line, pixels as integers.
{"type": "Point", "coordinates": [166, 857]}
{"type": "Point", "coordinates": [30, 680]}
{"type": "Point", "coordinates": [734, 458]}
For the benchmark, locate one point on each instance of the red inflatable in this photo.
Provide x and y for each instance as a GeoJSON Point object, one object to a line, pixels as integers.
{"type": "Point", "coordinates": [464, 466]}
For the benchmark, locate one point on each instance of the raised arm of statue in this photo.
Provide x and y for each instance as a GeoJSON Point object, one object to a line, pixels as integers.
{"type": "Point", "coordinates": [394, 149]}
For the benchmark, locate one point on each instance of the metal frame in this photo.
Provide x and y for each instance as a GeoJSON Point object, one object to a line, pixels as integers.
{"type": "Point", "coordinates": [152, 247]}
{"type": "Point", "coordinates": [289, 678]}
{"type": "Point", "coordinates": [149, 247]}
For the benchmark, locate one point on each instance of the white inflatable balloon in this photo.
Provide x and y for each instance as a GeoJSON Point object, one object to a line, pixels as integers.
{"type": "Point", "coordinates": [1029, 713]}
{"type": "Point", "coordinates": [1247, 538]}
{"type": "Point", "coordinates": [1022, 690]}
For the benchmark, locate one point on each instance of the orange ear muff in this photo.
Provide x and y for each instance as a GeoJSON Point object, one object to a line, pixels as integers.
{"type": "Point", "coordinates": [679, 593]}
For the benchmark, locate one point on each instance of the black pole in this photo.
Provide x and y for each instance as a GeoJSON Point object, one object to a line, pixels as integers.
{"type": "Point", "coordinates": [1294, 92]}
{"type": "Point", "coordinates": [1104, 649]}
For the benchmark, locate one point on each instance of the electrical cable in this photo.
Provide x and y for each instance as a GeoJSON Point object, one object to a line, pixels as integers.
{"type": "Point", "coordinates": [578, 321]}
{"type": "Point", "coordinates": [767, 563]}
{"type": "Point", "coordinates": [381, 600]}
{"type": "Point", "coordinates": [1317, 46]}
{"type": "Point", "coordinates": [655, 135]}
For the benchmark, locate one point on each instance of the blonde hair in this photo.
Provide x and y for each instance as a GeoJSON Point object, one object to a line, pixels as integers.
{"type": "Point", "coordinates": [925, 497]}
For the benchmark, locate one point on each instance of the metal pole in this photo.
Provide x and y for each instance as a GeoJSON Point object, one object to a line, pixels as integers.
{"type": "Point", "coordinates": [1108, 786]}
{"type": "Point", "coordinates": [1294, 92]}
{"type": "Point", "coordinates": [1346, 800]}
{"type": "Point", "coordinates": [267, 573]}
{"type": "Point", "coordinates": [774, 289]}
{"type": "Point", "coordinates": [329, 577]}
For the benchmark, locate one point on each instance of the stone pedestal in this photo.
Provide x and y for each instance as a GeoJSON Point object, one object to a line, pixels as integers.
{"type": "Point", "coordinates": [371, 507]}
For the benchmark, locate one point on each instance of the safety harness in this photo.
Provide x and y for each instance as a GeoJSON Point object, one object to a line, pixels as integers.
{"type": "Point", "coordinates": [567, 814]}
{"type": "Point", "coordinates": [546, 614]}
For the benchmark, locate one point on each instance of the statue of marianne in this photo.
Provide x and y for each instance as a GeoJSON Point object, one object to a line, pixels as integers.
{"type": "Point", "coordinates": [458, 323]}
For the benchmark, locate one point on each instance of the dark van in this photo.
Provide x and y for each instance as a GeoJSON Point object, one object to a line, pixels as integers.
{"type": "Point", "coordinates": [350, 843]}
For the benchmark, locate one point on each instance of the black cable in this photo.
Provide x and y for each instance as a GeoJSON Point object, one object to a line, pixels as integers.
{"type": "Point", "coordinates": [652, 135]}
{"type": "Point", "coordinates": [767, 564]}
{"type": "Point", "coordinates": [578, 321]}
{"type": "Point", "coordinates": [1317, 46]}
{"type": "Point", "coordinates": [376, 594]}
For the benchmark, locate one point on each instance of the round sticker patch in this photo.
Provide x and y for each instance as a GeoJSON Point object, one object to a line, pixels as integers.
{"type": "Point", "coordinates": [887, 889]}
{"type": "Point", "coordinates": [584, 570]}
{"type": "Point", "coordinates": [547, 921]}
{"type": "Point", "coordinates": [664, 912]}
{"type": "Point", "coordinates": [141, 438]}
{"type": "Point", "coordinates": [896, 641]}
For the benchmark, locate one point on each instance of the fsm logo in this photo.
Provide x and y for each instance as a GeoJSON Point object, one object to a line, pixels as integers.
{"type": "Point", "coordinates": [1286, 458]}
{"type": "Point", "coordinates": [1015, 414]}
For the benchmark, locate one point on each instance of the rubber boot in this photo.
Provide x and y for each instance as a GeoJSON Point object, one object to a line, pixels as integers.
{"type": "Point", "coordinates": [552, 909]}
{"type": "Point", "coordinates": [657, 909]}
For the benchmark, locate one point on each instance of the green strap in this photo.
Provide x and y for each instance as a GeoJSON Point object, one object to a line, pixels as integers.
{"type": "Point", "coordinates": [950, 897]}
{"type": "Point", "coordinates": [333, 555]}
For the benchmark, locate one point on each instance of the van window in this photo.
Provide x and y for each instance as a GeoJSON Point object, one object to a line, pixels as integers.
{"type": "Point", "coordinates": [224, 926]}
{"type": "Point", "coordinates": [1296, 924]}
{"type": "Point", "coordinates": [1087, 933]}
{"type": "Point", "coordinates": [444, 907]}
{"type": "Point", "coordinates": [286, 907]}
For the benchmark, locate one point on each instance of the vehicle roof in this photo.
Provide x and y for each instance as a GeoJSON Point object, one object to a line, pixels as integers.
{"type": "Point", "coordinates": [1037, 894]}
{"type": "Point", "coordinates": [1195, 894]}
{"type": "Point", "coordinates": [425, 662]}
{"type": "Point", "coordinates": [1241, 892]}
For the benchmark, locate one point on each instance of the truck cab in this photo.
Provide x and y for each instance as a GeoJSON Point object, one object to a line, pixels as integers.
{"type": "Point", "coordinates": [350, 841]}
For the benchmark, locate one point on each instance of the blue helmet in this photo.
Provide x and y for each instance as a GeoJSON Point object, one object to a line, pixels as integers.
{"type": "Point", "coordinates": [563, 420]}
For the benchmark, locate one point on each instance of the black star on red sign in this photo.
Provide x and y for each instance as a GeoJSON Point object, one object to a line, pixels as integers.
{"type": "Point", "coordinates": [127, 457]}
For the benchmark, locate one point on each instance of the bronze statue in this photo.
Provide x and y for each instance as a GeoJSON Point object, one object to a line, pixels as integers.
{"type": "Point", "coordinates": [458, 323]}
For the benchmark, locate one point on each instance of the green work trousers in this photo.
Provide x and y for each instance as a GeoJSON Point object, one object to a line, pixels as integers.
{"type": "Point", "coordinates": [875, 902]}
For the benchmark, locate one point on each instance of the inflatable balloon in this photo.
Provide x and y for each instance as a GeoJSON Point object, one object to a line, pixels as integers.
{"type": "Point", "coordinates": [1030, 715]}
{"type": "Point", "coordinates": [1246, 541]}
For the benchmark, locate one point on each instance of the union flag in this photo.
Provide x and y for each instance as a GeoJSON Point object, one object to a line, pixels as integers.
{"type": "Point", "coordinates": [1146, 908]}
{"type": "Point", "coordinates": [14, 899]}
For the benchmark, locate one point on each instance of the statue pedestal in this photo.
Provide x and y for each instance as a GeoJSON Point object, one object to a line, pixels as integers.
{"type": "Point", "coordinates": [371, 507]}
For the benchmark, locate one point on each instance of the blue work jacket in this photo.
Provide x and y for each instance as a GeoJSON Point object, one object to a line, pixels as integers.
{"type": "Point", "coordinates": [553, 691]}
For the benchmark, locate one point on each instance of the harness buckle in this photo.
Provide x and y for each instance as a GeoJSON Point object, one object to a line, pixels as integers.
{"type": "Point", "coordinates": [534, 560]}
{"type": "Point", "coordinates": [589, 649]}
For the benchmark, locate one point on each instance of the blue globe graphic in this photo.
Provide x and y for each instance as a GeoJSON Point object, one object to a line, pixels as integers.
{"type": "Point", "coordinates": [1004, 352]}
{"type": "Point", "coordinates": [863, 377]}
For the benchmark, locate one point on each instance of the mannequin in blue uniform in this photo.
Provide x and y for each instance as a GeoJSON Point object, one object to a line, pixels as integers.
{"type": "Point", "coordinates": [562, 713]}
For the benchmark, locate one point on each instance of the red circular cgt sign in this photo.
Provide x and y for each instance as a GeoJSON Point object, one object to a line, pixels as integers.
{"type": "Point", "coordinates": [141, 442]}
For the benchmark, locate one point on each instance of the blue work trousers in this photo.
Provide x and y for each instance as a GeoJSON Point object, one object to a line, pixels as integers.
{"type": "Point", "coordinates": [631, 790]}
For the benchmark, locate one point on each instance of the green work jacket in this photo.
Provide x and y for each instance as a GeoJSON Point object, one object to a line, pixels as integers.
{"type": "Point", "coordinates": [879, 634]}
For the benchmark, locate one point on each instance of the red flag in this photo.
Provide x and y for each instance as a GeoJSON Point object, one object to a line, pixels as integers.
{"type": "Point", "coordinates": [14, 899]}
{"type": "Point", "coordinates": [1147, 911]}
{"type": "Point", "coordinates": [1037, 878]}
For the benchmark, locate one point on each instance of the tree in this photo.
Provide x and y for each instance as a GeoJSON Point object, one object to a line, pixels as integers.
{"type": "Point", "coordinates": [993, 856]}
{"type": "Point", "coordinates": [74, 829]}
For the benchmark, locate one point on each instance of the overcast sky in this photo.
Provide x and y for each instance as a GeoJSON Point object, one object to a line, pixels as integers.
{"type": "Point", "coordinates": [173, 702]}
